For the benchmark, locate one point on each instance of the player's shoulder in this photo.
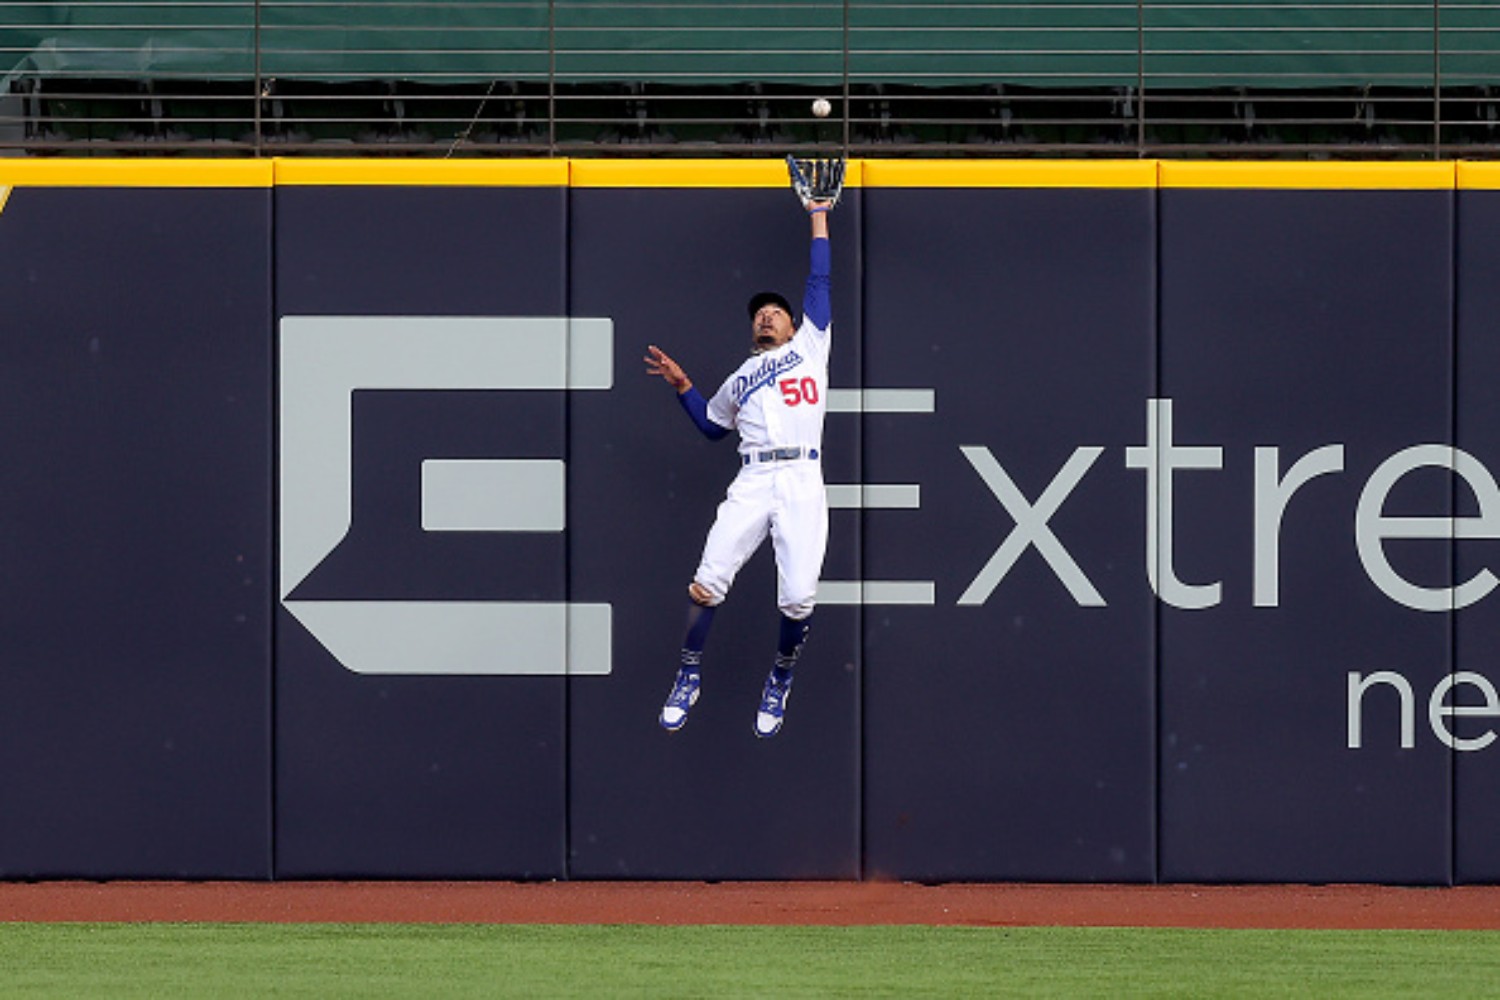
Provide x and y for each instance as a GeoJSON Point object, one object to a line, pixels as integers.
{"type": "Point", "coordinates": [809, 332]}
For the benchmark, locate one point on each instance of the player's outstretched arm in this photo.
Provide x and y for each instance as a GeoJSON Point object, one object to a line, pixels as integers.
{"type": "Point", "coordinates": [816, 299]}
{"type": "Point", "coordinates": [818, 212]}
{"type": "Point", "coordinates": [693, 403]}
{"type": "Point", "coordinates": [659, 363]}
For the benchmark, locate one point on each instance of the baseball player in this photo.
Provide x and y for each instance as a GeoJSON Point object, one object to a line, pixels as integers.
{"type": "Point", "coordinates": [775, 400]}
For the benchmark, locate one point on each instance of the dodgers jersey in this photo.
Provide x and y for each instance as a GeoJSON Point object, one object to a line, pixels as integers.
{"type": "Point", "coordinates": [778, 398]}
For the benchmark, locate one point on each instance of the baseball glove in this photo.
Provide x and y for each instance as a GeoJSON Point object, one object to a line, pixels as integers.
{"type": "Point", "coordinates": [816, 181]}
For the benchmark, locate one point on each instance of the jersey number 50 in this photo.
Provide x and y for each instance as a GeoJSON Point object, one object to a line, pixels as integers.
{"type": "Point", "coordinates": [795, 391]}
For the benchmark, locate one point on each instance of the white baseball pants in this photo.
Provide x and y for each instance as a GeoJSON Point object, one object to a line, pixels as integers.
{"type": "Point", "coordinates": [786, 500]}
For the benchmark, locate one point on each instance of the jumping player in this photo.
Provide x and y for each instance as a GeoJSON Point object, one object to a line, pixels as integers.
{"type": "Point", "coordinates": [776, 401]}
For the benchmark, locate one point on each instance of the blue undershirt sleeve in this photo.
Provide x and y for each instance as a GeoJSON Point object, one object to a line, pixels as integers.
{"type": "Point", "coordinates": [815, 304]}
{"type": "Point", "coordinates": [697, 408]}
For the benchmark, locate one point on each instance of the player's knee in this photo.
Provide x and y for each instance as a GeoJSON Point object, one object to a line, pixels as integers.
{"type": "Point", "coordinates": [700, 594]}
{"type": "Point", "coordinates": [798, 608]}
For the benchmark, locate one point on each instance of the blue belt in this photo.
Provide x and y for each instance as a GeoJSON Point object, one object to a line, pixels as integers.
{"type": "Point", "coordinates": [777, 455]}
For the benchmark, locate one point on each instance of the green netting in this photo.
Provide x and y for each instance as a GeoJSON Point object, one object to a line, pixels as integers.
{"type": "Point", "coordinates": [699, 42]}
{"type": "Point", "coordinates": [1172, 45]}
{"type": "Point", "coordinates": [1470, 51]}
{"type": "Point", "coordinates": [130, 40]}
{"type": "Point", "coordinates": [1321, 44]}
{"type": "Point", "coordinates": [434, 41]}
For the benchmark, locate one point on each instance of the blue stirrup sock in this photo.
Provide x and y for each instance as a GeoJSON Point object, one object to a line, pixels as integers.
{"type": "Point", "coordinates": [789, 645]}
{"type": "Point", "coordinates": [699, 620]}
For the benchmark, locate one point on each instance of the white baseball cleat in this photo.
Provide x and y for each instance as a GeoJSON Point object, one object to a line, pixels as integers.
{"type": "Point", "coordinates": [773, 699]}
{"type": "Point", "coordinates": [684, 695]}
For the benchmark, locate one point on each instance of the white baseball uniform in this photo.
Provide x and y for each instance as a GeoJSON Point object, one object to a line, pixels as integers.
{"type": "Point", "coordinates": [776, 400]}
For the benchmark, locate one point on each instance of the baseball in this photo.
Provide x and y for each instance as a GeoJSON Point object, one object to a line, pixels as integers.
{"type": "Point", "coordinates": [821, 107]}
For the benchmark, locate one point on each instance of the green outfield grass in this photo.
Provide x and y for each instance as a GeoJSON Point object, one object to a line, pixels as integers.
{"type": "Point", "coordinates": [421, 961]}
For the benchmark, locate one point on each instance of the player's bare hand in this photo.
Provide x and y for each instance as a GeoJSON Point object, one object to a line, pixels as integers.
{"type": "Point", "coordinates": [659, 363]}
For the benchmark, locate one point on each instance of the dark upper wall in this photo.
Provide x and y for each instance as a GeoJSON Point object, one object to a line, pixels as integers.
{"type": "Point", "coordinates": [1152, 578]}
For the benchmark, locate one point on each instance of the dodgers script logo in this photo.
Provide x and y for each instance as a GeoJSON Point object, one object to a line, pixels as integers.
{"type": "Point", "coordinates": [765, 373]}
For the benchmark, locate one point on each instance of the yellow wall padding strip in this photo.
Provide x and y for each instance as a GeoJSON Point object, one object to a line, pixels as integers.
{"type": "Point", "coordinates": [767, 173]}
{"type": "Point", "coordinates": [1322, 175]}
{"type": "Point", "coordinates": [1479, 176]}
{"type": "Point", "coordinates": [425, 173]}
{"type": "Point", "coordinates": [95, 172]}
{"type": "Point", "coordinates": [1010, 173]}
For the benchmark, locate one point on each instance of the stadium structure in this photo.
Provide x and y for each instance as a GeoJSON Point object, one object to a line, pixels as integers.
{"type": "Point", "coordinates": [1262, 78]}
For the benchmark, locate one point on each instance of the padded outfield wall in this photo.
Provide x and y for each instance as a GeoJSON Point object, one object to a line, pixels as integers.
{"type": "Point", "coordinates": [343, 535]}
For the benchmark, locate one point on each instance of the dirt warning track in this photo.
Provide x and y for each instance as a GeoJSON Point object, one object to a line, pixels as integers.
{"type": "Point", "coordinates": [812, 903]}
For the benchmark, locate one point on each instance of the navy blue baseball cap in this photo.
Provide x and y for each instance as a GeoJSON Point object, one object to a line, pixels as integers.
{"type": "Point", "coordinates": [760, 300]}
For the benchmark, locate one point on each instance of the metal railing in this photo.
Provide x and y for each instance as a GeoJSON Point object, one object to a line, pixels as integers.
{"type": "Point", "coordinates": [697, 77]}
